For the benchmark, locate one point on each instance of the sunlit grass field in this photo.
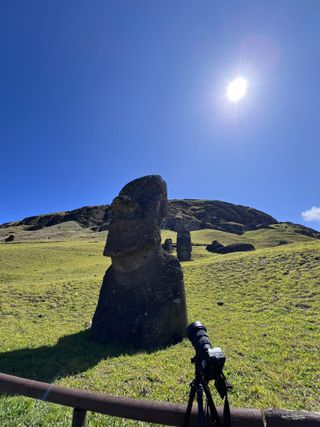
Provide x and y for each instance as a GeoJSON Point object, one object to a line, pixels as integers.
{"type": "Point", "coordinates": [268, 325]}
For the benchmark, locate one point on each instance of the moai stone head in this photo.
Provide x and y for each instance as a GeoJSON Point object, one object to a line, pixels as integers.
{"type": "Point", "coordinates": [142, 298]}
{"type": "Point", "coordinates": [137, 214]}
{"type": "Point", "coordinates": [168, 246]}
{"type": "Point", "coordinates": [184, 246]}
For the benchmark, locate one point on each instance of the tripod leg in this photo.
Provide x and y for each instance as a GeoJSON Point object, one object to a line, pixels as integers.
{"type": "Point", "coordinates": [190, 402]}
{"type": "Point", "coordinates": [200, 416]}
{"type": "Point", "coordinates": [213, 410]}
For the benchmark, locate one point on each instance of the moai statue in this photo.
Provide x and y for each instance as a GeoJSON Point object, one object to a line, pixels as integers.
{"type": "Point", "coordinates": [215, 246]}
{"type": "Point", "coordinates": [184, 246]}
{"type": "Point", "coordinates": [142, 299]}
{"type": "Point", "coordinates": [167, 246]}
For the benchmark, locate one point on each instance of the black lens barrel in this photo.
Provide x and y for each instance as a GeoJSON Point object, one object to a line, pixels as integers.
{"type": "Point", "coordinates": [197, 334]}
{"type": "Point", "coordinates": [194, 328]}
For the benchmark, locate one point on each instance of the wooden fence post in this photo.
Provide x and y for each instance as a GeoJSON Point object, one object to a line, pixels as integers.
{"type": "Point", "coordinates": [79, 418]}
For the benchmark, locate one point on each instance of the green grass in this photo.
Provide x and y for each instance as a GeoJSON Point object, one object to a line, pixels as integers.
{"type": "Point", "coordinates": [59, 232]}
{"type": "Point", "coordinates": [268, 325]}
{"type": "Point", "coordinates": [266, 237]}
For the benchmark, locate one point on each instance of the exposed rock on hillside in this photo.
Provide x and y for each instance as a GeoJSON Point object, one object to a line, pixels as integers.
{"type": "Point", "coordinates": [223, 216]}
{"type": "Point", "coordinates": [87, 217]}
{"type": "Point", "coordinates": [195, 215]}
{"type": "Point", "coordinates": [306, 231]}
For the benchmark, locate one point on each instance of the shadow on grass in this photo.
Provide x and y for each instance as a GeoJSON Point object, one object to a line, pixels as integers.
{"type": "Point", "coordinates": [71, 355]}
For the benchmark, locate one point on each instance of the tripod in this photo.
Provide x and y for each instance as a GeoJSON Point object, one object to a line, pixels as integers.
{"type": "Point", "coordinates": [197, 387]}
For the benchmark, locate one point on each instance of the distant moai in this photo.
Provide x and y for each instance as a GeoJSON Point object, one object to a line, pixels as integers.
{"type": "Point", "coordinates": [219, 248]}
{"type": "Point", "coordinates": [142, 298]}
{"type": "Point", "coordinates": [168, 246]}
{"type": "Point", "coordinates": [184, 245]}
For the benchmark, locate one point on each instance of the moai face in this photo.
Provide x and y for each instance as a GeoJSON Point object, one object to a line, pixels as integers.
{"type": "Point", "coordinates": [137, 215]}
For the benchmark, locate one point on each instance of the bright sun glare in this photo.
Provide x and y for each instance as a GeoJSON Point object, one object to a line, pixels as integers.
{"type": "Point", "coordinates": [237, 89]}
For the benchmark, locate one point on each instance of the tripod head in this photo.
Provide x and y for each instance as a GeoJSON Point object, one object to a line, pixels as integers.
{"type": "Point", "coordinates": [220, 382]}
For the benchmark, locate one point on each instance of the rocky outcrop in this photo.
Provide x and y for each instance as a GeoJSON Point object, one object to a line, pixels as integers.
{"type": "Point", "coordinates": [306, 231]}
{"type": "Point", "coordinates": [194, 214]}
{"type": "Point", "coordinates": [142, 298]}
{"type": "Point", "coordinates": [95, 217]}
{"type": "Point", "coordinates": [219, 248]}
{"type": "Point", "coordinates": [10, 238]}
{"type": "Point", "coordinates": [200, 214]}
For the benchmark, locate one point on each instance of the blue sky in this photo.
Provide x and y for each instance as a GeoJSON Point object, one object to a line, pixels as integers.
{"type": "Point", "coordinates": [94, 94]}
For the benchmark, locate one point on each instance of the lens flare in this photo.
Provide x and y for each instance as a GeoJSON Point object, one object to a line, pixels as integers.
{"type": "Point", "coordinates": [237, 89]}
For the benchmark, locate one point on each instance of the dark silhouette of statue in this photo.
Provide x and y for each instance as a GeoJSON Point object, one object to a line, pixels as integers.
{"type": "Point", "coordinates": [142, 299]}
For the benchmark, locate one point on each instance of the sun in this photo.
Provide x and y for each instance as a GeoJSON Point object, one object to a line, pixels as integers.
{"type": "Point", "coordinates": [237, 89]}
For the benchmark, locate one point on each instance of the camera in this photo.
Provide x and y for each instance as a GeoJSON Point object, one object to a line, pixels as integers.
{"type": "Point", "coordinates": [209, 359]}
{"type": "Point", "coordinates": [209, 363]}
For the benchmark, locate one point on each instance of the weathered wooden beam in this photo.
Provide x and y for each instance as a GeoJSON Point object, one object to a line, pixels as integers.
{"type": "Point", "coordinates": [144, 410]}
{"type": "Point", "coordinates": [278, 418]}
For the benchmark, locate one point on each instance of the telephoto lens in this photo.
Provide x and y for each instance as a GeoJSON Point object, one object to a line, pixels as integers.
{"type": "Point", "coordinates": [210, 359]}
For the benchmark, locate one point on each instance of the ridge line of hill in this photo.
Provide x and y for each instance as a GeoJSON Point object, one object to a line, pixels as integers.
{"type": "Point", "coordinates": [195, 214]}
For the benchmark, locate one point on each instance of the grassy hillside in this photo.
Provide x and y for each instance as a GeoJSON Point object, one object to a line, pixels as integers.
{"type": "Point", "coordinates": [64, 231]}
{"type": "Point", "coordinates": [268, 325]}
{"type": "Point", "coordinates": [274, 235]}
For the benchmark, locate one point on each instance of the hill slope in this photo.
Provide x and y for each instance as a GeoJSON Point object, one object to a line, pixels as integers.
{"type": "Point", "coordinates": [268, 325]}
{"type": "Point", "coordinates": [195, 214]}
{"type": "Point", "coordinates": [89, 221]}
{"type": "Point", "coordinates": [268, 311]}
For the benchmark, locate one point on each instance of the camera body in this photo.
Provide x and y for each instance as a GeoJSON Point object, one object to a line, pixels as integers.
{"type": "Point", "coordinates": [210, 360]}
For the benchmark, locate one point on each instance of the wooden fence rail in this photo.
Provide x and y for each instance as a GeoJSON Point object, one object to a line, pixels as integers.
{"type": "Point", "coordinates": [144, 410]}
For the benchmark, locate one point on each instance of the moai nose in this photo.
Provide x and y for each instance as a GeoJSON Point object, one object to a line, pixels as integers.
{"type": "Point", "coordinates": [123, 206]}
